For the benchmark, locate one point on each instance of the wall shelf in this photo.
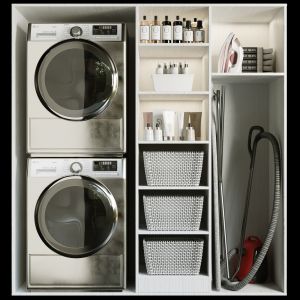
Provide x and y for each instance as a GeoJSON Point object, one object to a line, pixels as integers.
{"type": "Point", "coordinates": [173, 50]}
{"type": "Point", "coordinates": [246, 77]}
{"type": "Point", "coordinates": [179, 96]}
{"type": "Point", "coordinates": [173, 142]}
{"type": "Point", "coordinates": [148, 232]}
{"type": "Point", "coordinates": [145, 187]}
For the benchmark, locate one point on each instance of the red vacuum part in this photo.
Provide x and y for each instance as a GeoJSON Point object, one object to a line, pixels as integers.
{"type": "Point", "coordinates": [251, 245]}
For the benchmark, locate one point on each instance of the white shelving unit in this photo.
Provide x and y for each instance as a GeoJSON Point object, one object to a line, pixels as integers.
{"type": "Point", "coordinates": [251, 99]}
{"type": "Point", "coordinates": [197, 55]}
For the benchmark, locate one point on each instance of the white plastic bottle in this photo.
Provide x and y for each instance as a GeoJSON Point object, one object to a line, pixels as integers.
{"type": "Point", "coordinates": [159, 69]}
{"type": "Point", "coordinates": [148, 133]}
{"type": "Point", "coordinates": [158, 136]}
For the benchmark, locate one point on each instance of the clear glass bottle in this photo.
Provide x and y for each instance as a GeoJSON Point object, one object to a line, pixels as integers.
{"type": "Point", "coordinates": [199, 33]}
{"type": "Point", "coordinates": [188, 36]}
{"type": "Point", "coordinates": [166, 31]}
{"type": "Point", "coordinates": [155, 31]}
{"type": "Point", "coordinates": [194, 24]}
{"type": "Point", "coordinates": [177, 31]}
{"type": "Point", "coordinates": [144, 31]}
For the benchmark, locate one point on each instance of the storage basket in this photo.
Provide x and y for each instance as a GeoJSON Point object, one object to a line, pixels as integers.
{"type": "Point", "coordinates": [173, 168]}
{"type": "Point", "coordinates": [173, 256]}
{"type": "Point", "coordinates": [173, 82]}
{"type": "Point", "coordinates": [173, 212]}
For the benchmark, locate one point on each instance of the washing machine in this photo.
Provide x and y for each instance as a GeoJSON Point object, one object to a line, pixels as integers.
{"type": "Point", "coordinates": [76, 89]}
{"type": "Point", "coordinates": [76, 223]}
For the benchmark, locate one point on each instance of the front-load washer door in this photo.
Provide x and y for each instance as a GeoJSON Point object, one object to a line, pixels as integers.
{"type": "Point", "coordinates": [76, 79]}
{"type": "Point", "coordinates": [76, 216]}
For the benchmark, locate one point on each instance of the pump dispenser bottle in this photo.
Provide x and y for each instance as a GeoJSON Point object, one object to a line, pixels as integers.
{"type": "Point", "coordinates": [188, 33]}
{"type": "Point", "coordinates": [158, 136]}
{"type": "Point", "coordinates": [148, 133]}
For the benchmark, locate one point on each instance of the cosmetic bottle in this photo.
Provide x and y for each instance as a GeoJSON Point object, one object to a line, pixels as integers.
{"type": "Point", "coordinates": [166, 69]}
{"type": "Point", "coordinates": [194, 24]}
{"type": "Point", "coordinates": [199, 33]}
{"type": "Point", "coordinates": [148, 133]}
{"type": "Point", "coordinates": [166, 31]}
{"type": "Point", "coordinates": [144, 31]}
{"type": "Point", "coordinates": [158, 136]}
{"type": "Point", "coordinates": [177, 31]}
{"type": "Point", "coordinates": [183, 26]}
{"type": "Point", "coordinates": [185, 69]}
{"type": "Point", "coordinates": [188, 33]}
{"type": "Point", "coordinates": [159, 69]}
{"type": "Point", "coordinates": [190, 131]}
{"type": "Point", "coordinates": [171, 67]}
{"type": "Point", "coordinates": [155, 31]}
{"type": "Point", "coordinates": [175, 69]}
{"type": "Point", "coordinates": [180, 68]}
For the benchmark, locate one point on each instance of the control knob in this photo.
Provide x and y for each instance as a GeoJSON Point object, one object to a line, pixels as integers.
{"type": "Point", "coordinates": [76, 167]}
{"type": "Point", "coordinates": [76, 31]}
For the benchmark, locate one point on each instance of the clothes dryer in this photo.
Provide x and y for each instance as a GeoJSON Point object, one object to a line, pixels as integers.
{"type": "Point", "coordinates": [76, 223]}
{"type": "Point", "coordinates": [76, 89]}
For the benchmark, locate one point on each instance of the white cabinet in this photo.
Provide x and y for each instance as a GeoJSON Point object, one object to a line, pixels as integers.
{"type": "Point", "coordinates": [251, 99]}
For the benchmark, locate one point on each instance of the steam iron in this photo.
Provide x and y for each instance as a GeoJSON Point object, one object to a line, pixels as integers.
{"type": "Point", "coordinates": [231, 55]}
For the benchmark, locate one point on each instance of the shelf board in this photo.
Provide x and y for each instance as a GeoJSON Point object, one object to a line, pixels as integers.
{"type": "Point", "coordinates": [173, 96]}
{"type": "Point", "coordinates": [148, 232]}
{"type": "Point", "coordinates": [245, 77]}
{"type": "Point", "coordinates": [174, 142]}
{"type": "Point", "coordinates": [146, 187]}
{"type": "Point", "coordinates": [182, 50]}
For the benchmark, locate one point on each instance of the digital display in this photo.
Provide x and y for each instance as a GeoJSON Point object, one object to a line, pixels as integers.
{"type": "Point", "coordinates": [105, 30]}
{"type": "Point", "coordinates": [102, 165]}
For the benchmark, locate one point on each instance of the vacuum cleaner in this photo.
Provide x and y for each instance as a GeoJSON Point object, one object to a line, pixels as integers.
{"type": "Point", "coordinates": [251, 252]}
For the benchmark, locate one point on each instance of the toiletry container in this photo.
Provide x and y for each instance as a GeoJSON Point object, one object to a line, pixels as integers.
{"type": "Point", "coordinates": [190, 133]}
{"type": "Point", "coordinates": [148, 133]}
{"type": "Point", "coordinates": [144, 31]}
{"type": "Point", "coordinates": [158, 136]}
{"type": "Point", "coordinates": [188, 33]}
{"type": "Point", "coordinates": [166, 31]}
{"type": "Point", "coordinates": [159, 69]}
{"type": "Point", "coordinates": [177, 31]}
{"type": "Point", "coordinates": [199, 33]}
{"type": "Point", "coordinates": [155, 31]}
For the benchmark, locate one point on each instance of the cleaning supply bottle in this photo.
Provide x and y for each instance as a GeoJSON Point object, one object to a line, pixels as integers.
{"type": "Point", "coordinates": [144, 31]}
{"type": "Point", "coordinates": [148, 133]}
{"type": "Point", "coordinates": [188, 33]}
{"type": "Point", "coordinates": [158, 136]}
{"type": "Point", "coordinates": [166, 31]}
{"type": "Point", "coordinates": [177, 31]}
{"type": "Point", "coordinates": [190, 131]}
{"type": "Point", "coordinates": [199, 33]}
{"type": "Point", "coordinates": [155, 31]}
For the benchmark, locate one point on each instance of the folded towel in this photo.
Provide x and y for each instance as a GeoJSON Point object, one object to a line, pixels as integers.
{"type": "Point", "coordinates": [268, 62]}
{"type": "Point", "coordinates": [268, 51]}
{"type": "Point", "coordinates": [268, 56]}
{"type": "Point", "coordinates": [268, 68]}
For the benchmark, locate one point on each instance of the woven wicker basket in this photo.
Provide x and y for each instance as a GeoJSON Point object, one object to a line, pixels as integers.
{"type": "Point", "coordinates": [173, 168]}
{"type": "Point", "coordinates": [173, 212]}
{"type": "Point", "coordinates": [173, 256]}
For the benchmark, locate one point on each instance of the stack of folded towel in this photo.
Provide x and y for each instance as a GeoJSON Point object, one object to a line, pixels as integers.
{"type": "Point", "coordinates": [268, 61]}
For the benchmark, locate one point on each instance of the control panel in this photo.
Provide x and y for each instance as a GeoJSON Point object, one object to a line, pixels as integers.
{"type": "Point", "coordinates": [93, 32]}
{"type": "Point", "coordinates": [104, 167]}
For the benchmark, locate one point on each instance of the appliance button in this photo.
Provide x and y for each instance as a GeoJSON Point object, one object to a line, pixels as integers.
{"type": "Point", "coordinates": [76, 167]}
{"type": "Point", "coordinates": [76, 31]}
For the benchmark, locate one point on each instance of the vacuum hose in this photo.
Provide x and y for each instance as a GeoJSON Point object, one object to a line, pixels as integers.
{"type": "Point", "coordinates": [226, 283]}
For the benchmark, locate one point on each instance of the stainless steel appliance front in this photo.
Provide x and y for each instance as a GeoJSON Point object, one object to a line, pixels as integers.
{"type": "Point", "coordinates": [76, 89]}
{"type": "Point", "coordinates": [76, 227]}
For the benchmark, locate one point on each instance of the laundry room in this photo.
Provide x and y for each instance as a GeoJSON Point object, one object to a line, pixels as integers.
{"type": "Point", "coordinates": [149, 149]}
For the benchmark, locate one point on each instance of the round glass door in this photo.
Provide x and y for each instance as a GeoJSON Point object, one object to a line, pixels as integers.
{"type": "Point", "coordinates": [76, 79]}
{"type": "Point", "coordinates": [76, 216]}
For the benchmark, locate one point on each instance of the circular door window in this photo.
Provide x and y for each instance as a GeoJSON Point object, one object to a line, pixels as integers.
{"type": "Point", "coordinates": [76, 79]}
{"type": "Point", "coordinates": [76, 216]}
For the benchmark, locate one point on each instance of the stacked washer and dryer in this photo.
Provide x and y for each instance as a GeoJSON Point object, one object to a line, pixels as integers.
{"type": "Point", "coordinates": [76, 170]}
